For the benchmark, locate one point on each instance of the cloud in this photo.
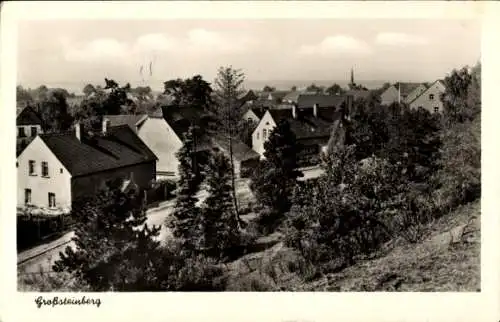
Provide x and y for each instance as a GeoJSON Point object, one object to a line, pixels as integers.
{"type": "Point", "coordinates": [205, 40]}
{"type": "Point", "coordinates": [154, 42]}
{"type": "Point", "coordinates": [339, 44]}
{"type": "Point", "coordinates": [399, 39]}
{"type": "Point", "coordinates": [97, 49]}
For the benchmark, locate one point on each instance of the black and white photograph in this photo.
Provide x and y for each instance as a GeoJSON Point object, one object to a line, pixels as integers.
{"type": "Point", "coordinates": [248, 155]}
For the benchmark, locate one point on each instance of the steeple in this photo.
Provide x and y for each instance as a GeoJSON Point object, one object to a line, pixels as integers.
{"type": "Point", "coordinates": [352, 76]}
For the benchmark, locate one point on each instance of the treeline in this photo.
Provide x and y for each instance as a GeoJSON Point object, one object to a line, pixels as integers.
{"type": "Point", "coordinates": [388, 172]}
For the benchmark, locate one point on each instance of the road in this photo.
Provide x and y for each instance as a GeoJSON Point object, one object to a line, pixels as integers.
{"type": "Point", "coordinates": [43, 256]}
{"type": "Point", "coordinates": [29, 262]}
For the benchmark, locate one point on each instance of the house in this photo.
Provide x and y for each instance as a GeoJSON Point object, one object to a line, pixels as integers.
{"type": "Point", "coordinates": [57, 168]}
{"type": "Point", "coordinates": [244, 158]}
{"type": "Point", "coordinates": [358, 94]}
{"type": "Point", "coordinates": [311, 120]}
{"type": "Point", "coordinates": [402, 92]}
{"type": "Point", "coordinates": [430, 99]}
{"type": "Point", "coordinates": [157, 134]}
{"type": "Point", "coordinates": [274, 96]}
{"type": "Point", "coordinates": [254, 114]}
{"type": "Point", "coordinates": [248, 97]}
{"type": "Point", "coordinates": [29, 125]}
{"type": "Point", "coordinates": [292, 97]}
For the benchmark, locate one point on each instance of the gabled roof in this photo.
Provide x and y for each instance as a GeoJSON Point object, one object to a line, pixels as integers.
{"type": "Point", "coordinates": [120, 147]}
{"type": "Point", "coordinates": [428, 86]}
{"type": "Point", "coordinates": [407, 88]}
{"type": "Point", "coordinates": [258, 111]}
{"type": "Point", "coordinates": [306, 125]}
{"type": "Point", "coordinates": [181, 118]}
{"type": "Point", "coordinates": [134, 121]}
{"type": "Point", "coordinates": [241, 151]}
{"type": "Point", "coordinates": [308, 101]}
{"type": "Point", "coordinates": [28, 116]}
{"type": "Point", "coordinates": [294, 96]}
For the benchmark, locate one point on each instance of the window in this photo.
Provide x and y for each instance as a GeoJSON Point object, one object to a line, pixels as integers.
{"type": "Point", "coordinates": [264, 134]}
{"type": "Point", "coordinates": [27, 196]}
{"type": "Point", "coordinates": [32, 168]}
{"type": "Point", "coordinates": [52, 200]}
{"type": "Point", "coordinates": [249, 120]}
{"type": "Point", "coordinates": [60, 170]}
{"type": "Point", "coordinates": [431, 96]}
{"type": "Point", "coordinates": [17, 164]}
{"type": "Point", "coordinates": [34, 131]}
{"type": "Point", "coordinates": [45, 169]}
{"type": "Point", "coordinates": [436, 109]}
{"type": "Point", "coordinates": [21, 132]}
{"type": "Point", "coordinates": [258, 135]}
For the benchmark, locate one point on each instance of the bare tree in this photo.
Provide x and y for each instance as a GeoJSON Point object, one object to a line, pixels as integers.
{"type": "Point", "coordinates": [228, 88]}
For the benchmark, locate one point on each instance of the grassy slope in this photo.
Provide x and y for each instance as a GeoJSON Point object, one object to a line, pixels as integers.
{"type": "Point", "coordinates": [442, 261]}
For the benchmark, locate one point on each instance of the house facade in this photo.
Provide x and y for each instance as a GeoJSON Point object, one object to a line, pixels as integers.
{"type": "Point", "coordinates": [55, 169]}
{"type": "Point", "coordinates": [430, 99]}
{"type": "Point", "coordinates": [402, 92]}
{"type": "Point", "coordinates": [311, 120]}
{"type": "Point", "coordinates": [28, 125]}
{"type": "Point", "coordinates": [158, 135]}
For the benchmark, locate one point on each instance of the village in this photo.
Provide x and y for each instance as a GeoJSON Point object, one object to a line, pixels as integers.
{"type": "Point", "coordinates": [233, 156]}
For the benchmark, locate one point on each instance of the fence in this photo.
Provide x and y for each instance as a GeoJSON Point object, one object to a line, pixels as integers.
{"type": "Point", "coordinates": [34, 229]}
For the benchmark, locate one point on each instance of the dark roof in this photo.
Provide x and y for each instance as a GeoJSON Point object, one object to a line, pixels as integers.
{"type": "Point", "coordinates": [308, 101]}
{"type": "Point", "coordinates": [294, 96]}
{"type": "Point", "coordinates": [180, 118]}
{"type": "Point", "coordinates": [28, 116]}
{"type": "Point", "coordinates": [131, 120]}
{"type": "Point", "coordinates": [120, 147]}
{"type": "Point", "coordinates": [407, 88]}
{"type": "Point", "coordinates": [259, 111]}
{"type": "Point", "coordinates": [306, 125]}
{"type": "Point", "coordinates": [278, 95]}
{"type": "Point", "coordinates": [241, 151]}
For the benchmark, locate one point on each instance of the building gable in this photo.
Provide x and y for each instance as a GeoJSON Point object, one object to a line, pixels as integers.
{"type": "Point", "coordinates": [430, 99]}
{"type": "Point", "coordinates": [259, 136]}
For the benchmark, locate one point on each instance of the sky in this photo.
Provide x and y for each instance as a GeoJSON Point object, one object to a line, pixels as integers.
{"type": "Point", "coordinates": [86, 51]}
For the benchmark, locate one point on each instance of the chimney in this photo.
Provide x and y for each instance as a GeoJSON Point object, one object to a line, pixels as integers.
{"type": "Point", "coordinates": [294, 111]}
{"type": "Point", "coordinates": [78, 132]}
{"type": "Point", "coordinates": [315, 110]}
{"type": "Point", "coordinates": [105, 123]}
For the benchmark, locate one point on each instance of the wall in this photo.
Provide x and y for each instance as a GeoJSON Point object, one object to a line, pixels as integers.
{"type": "Point", "coordinates": [164, 143]}
{"type": "Point", "coordinates": [27, 130]}
{"type": "Point", "coordinates": [57, 182]}
{"type": "Point", "coordinates": [250, 114]}
{"type": "Point", "coordinates": [267, 123]}
{"type": "Point", "coordinates": [425, 102]}
{"type": "Point", "coordinates": [90, 184]}
{"type": "Point", "coordinates": [389, 96]}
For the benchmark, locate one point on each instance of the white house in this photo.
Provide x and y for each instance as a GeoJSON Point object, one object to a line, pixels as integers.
{"type": "Point", "coordinates": [56, 168]}
{"type": "Point", "coordinates": [158, 135]}
{"type": "Point", "coordinates": [261, 132]}
{"type": "Point", "coordinates": [29, 125]}
{"type": "Point", "coordinates": [430, 99]}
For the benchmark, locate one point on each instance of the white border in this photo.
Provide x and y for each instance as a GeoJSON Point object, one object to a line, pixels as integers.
{"type": "Point", "coordinates": [482, 306]}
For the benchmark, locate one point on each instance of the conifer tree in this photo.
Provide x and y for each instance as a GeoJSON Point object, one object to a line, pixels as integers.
{"type": "Point", "coordinates": [276, 177]}
{"type": "Point", "coordinates": [219, 224]}
{"type": "Point", "coordinates": [115, 249]}
{"type": "Point", "coordinates": [185, 217]}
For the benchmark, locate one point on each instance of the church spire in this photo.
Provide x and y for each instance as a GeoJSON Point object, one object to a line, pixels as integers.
{"type": "Point", "coordinates": [352, 76]}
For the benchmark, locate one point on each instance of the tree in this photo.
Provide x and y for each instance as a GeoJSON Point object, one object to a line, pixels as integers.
{"type": "Point", "coordinates": [293, 88]}
{"type": "Point", "coordinates": [228, 88]}
{"type": "Point", "coordinates": [190, 92]}
{"type": "Point", "coordinates": [219, 223]}
{"type": "Point", "coordinates": [314, 88]}
{"type": "Point", "coordinates": [186, 215]}
{"type": "Point", "coordinates": [335, 89]}
{"type": "Point", "coordinates": [89, 89]}
{"type": "Point", "coordinates": [115, 249]}
{"type": "Point", "coordinates": [23, 95]}
{"type": "Point", "coordinates": [54, 112]}
{"type": "Point", "coordinates": [117, 101]}
{"type": "Point", "coordinates": [268, 88]}
{"type": "Point", "coordinates": [274, 180]}
{"type": "Point", "coordinates": [456, 107]}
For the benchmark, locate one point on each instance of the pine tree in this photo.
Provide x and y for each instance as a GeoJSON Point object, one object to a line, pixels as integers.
{"type": "Point", "coordinates": [115, 249]}
{"type": "Point", "coordinates": [219, 224]}
{"type": "Point", "coordinates": [186, 214]}
{"type": "Point", "coordinates": [276, 177]}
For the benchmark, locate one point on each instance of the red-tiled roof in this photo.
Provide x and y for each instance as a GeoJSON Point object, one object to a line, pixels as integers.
{"type": "Point", "coordinates": [120, 147]}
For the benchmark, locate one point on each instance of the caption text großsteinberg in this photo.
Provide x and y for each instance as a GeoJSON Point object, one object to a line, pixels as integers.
{"type": "Point", "coordinates": [55, 301]}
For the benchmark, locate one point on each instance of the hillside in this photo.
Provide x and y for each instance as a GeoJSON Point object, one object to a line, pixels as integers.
{"type": "Point", "coordinates": [447, 259]}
